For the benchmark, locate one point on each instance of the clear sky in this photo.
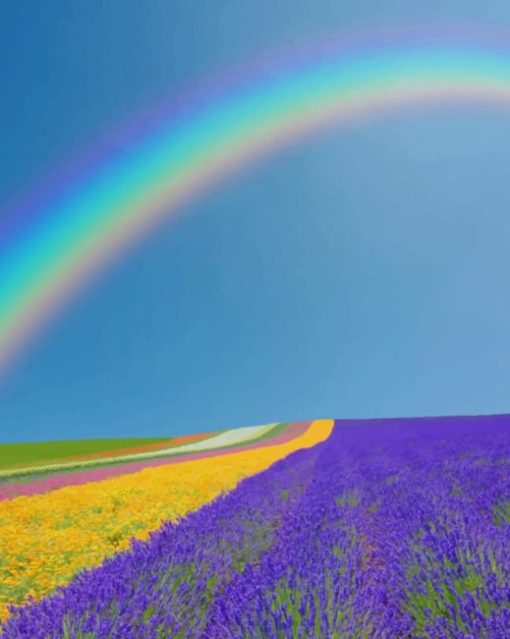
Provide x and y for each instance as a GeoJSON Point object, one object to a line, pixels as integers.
{"type": "Point", "coordinates": [364, 273]}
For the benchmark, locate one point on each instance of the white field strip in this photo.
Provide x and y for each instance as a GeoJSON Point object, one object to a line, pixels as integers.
{"type": "Point", "coordinates": [230, 437]}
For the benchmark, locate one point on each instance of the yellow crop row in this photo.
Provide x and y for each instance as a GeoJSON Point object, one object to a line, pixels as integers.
{"type": "Point", "coordinates": [46, 539]}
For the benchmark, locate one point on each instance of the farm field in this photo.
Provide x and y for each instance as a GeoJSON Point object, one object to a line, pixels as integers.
{"type": "Point", "coordinates": [34, 479]}
{"type": "Point", "coordinates": [383, 528]}
{"type": "Point", "coordinates": [107, 454]}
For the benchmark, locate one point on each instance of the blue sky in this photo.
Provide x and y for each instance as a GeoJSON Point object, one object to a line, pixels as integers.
{"type": "Point", "coordinates": [361, 274]}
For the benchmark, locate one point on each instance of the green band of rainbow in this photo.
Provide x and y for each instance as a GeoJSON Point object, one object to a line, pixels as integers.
{"type": "Point", "coordinates": [127, 196]}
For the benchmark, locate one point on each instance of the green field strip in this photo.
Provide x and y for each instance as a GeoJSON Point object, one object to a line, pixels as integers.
{"type": "Point", "coordinates": [48, 452]}
{"type": "Point", "coordinates": [80, 459]}
{"type": "Point", "coordinates": [42, 470]}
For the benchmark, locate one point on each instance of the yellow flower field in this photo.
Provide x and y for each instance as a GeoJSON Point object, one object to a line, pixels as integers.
{"type": "Point", "coordinates": [46, 539]}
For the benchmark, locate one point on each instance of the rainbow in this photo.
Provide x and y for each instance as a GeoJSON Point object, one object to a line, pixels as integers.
{"type": "Point", "coordinates": [116, 202]}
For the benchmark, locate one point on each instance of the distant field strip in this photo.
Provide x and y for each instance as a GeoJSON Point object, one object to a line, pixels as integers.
{"type": "Point", "coordinates": [228, 438]}
{"type": "Point", "coordinates": [206, 442]}
{"type": "Point", "coordinates": [46, 539]}
{"type": "Point", "coordinates": [36, 453]}
{"type": "Point", "coordinates": [171, 442]}
{"type": "Point", "coordinates": [45, 482]}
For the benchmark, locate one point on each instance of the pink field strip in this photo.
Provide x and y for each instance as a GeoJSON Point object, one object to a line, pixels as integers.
{"type": "Point", "coordinates": [54, 482]}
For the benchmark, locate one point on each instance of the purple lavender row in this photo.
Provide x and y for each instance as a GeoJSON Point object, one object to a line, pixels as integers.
{"type": "Point", "coordinates": [404, 532]}
{"type": "Point", "coordinates": [164, 587]}
{"type": "Point", "coordinates": [322, 577]}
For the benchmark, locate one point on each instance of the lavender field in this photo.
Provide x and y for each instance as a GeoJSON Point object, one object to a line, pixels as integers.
{"type": "Point", "coordinates": [389, 529]}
